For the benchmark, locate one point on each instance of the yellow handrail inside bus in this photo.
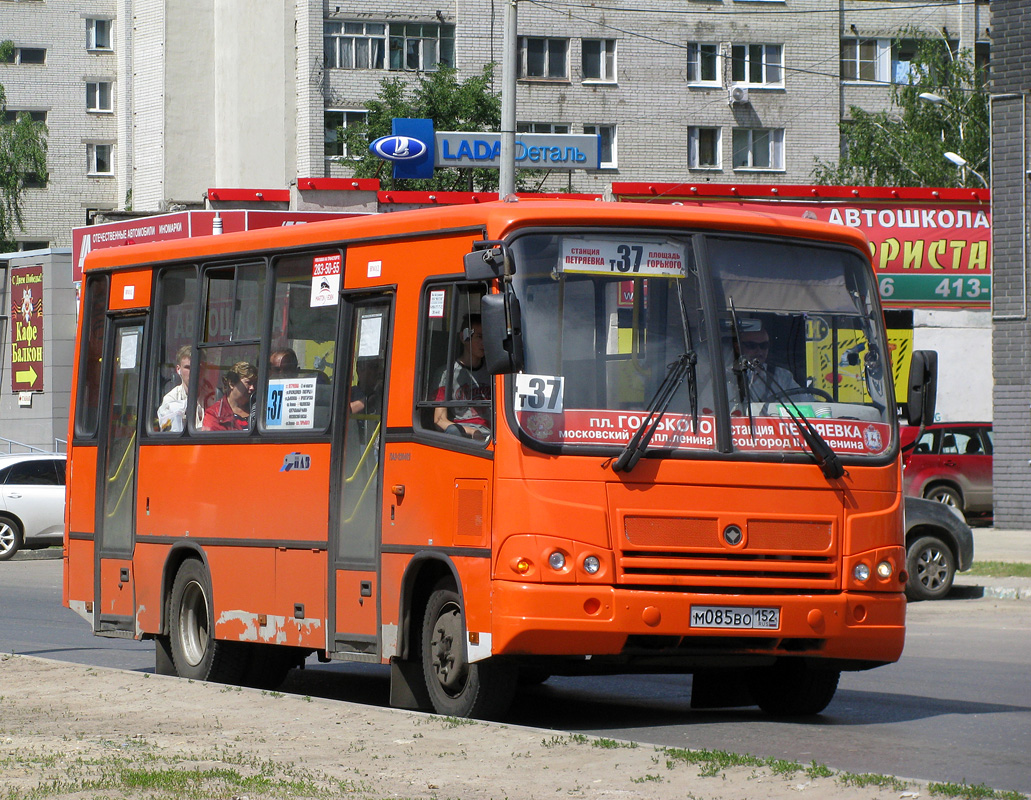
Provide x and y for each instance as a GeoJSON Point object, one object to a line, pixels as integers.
{"type": "Point", "coordinates": [130, 449]}
{"type": "Point", "coordinates": [368, 447]}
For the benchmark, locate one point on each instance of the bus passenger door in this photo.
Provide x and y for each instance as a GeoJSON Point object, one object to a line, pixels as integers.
{"type": "Point", "coordinates": [116, 471]}
{"type": "Point", "coordinates": [357, 477]}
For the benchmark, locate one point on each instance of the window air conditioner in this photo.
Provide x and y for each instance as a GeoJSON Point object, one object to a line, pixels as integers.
{"type": "Point", "coordinates": [738, 94]}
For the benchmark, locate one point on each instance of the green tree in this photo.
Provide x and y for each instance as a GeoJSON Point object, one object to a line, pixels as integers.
{"type": "Point", "coordinates": [23, 159]}
{"type": "Point", "coordinates": [906, 145]}
{"type": "Point", "coordinates": [453, 105]}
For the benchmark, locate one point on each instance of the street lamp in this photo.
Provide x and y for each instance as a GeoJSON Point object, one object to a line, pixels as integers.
{"type": "Point", "coordinates": [963, 164]}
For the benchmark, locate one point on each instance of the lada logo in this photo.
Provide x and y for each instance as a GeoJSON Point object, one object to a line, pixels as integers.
{"type": "Point", "coordinates": [398, 148]}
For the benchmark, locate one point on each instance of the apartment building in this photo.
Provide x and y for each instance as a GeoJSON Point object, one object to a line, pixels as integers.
{"type": "Point", "coordinates": [151, 102]}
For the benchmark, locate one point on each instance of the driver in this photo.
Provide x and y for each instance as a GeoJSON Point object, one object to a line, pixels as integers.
{"type": "Point", "coordinates": [766, 381]}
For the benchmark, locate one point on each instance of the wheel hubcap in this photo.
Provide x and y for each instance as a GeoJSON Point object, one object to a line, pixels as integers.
{"type": "Point", "coordinates": [6, 538]}
{"type": "Point", "coordinates": [932, 568]}
{"type": "Point", "coordinates": [193, 624]}
{"type": "Point", "coordinates": [446, 651]}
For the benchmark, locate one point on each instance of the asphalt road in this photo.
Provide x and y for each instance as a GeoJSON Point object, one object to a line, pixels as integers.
{"type": "Point", "coordinates": [957, 707]}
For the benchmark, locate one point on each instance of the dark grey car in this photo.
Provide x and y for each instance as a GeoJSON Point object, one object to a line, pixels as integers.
{"type": "Point", "coordinates": [938, 545]}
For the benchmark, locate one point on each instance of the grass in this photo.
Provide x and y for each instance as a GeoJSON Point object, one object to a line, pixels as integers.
{"type": "Point", "coordinates": [1001, 569]}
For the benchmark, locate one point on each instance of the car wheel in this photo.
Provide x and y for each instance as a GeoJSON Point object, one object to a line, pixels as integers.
{"type": "Point", "coordinates": [931, 567]}
{"type": "Point", "coordinates": [196, 653]}
{"type": "Point", "coordinates": [10, 538]}
{"type": "Point", "coordinates": [458, 688]}
{"type": "Point", "coordinates": [946, 495]}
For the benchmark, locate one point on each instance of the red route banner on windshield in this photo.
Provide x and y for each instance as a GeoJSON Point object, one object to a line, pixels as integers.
{"type": "Point", "coordinates": [677, 431]}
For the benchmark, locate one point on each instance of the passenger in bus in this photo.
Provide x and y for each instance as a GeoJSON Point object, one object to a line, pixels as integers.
{"type": "Point", "coordinates": [767, 381]}
{"type": "Point", "coordinates": [469, 381]}
{"type": "Point", "coordinates": [283, 364]}
{"type": "Point", "coordinates": [172, 411]}
{"type": "Point", "coordinates": [233, 411]}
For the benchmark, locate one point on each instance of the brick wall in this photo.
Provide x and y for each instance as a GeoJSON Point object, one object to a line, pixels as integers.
{"type": "Point", "coordinates": [1011, 157]}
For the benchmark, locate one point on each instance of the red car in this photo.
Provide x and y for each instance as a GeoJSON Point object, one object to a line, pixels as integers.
{"type": "Point", "coordinates": [951, 463]}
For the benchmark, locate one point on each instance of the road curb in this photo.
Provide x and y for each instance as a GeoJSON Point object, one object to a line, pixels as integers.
{"type": "Point", "coordinates": [47, 554]}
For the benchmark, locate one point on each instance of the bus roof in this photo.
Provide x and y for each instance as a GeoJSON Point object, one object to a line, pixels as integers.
{"type": "Point", "coordinates": [496, 219]}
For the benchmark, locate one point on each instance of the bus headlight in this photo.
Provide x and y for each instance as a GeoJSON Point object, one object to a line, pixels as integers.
{"type": "Point", "coordinates": [861, 572]}
{"type": "Point", "coordinates": [884, 570]}
{"type": "Point", "coordinates": [557, 561]}
{"type": "Point", "coordinates": [591, 565]}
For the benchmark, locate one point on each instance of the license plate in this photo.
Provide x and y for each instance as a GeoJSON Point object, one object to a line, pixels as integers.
{"type": "Point", "coordinates": [767, 619]}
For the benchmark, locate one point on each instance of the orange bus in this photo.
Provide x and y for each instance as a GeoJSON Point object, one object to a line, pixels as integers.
{"type": "Point", "coordinates": [493, 443]}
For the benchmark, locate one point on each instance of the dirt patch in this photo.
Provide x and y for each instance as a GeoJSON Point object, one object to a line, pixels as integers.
{"type": "Point", "coordinates": [69, 731]}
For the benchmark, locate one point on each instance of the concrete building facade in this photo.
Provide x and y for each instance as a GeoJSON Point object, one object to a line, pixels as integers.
{"type": "Point", "coordinates": [184, 95]}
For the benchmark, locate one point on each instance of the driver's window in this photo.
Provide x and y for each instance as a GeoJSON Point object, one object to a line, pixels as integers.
{"type": "Point", "coordinates": [456, 391]}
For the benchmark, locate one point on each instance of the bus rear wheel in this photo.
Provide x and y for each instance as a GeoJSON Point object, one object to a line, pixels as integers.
{"type": "Point", "coordinates": [458, 688]}
{"type": "Point", "coordinates": [196, 653]}
{"type": "Point", "coordinates": [793, 688]}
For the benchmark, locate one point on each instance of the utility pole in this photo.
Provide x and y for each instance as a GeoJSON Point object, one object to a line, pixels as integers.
{"type": "Point", "coordinates": [506, 179]}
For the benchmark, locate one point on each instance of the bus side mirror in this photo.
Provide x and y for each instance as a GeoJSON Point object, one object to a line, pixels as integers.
{"type": "Point", "coordinates": [487, 261]}
{"type": "Point", "coordinates": [923, 387]}
{"type": "Point", "coordinates": [502, 333]}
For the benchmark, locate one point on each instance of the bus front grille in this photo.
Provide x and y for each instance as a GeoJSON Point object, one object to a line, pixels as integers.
{"type": "Point", "coordinates": [691, 551]}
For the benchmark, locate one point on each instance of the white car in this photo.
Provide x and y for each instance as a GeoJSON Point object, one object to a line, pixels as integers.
{"type": "Point", "coordinates": [31, 501]}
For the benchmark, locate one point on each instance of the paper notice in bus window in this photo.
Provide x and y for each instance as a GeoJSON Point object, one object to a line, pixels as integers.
{"type": "Point", "coordinates": [291, 403]}
{"type": "Point", "coordinates": [127, 352]}
{"type": "Point", "coordinates": [325, 280]}
{"type": "Point", "coordinates": [437, 304]}
{"type": "Point", "coordinates": [630, 258]}
{"type": "Point", "coordinates": [369, 332]}
{"type": "Point", "coordinates": [539, 393]}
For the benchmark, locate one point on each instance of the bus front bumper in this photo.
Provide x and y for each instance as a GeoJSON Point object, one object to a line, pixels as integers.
{"type": "Point", "coordinates": [548, 619]}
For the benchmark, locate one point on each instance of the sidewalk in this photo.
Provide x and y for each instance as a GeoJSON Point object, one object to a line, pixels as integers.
{"type": "Point", "coordinates": [997, 544]}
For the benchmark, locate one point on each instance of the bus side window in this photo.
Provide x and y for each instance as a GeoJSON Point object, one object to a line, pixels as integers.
{"type": "Point", "coordinates": [455, 391]}
{"type": "Point", "coordinates": [298, 390]}
{"type": "Point", "coordinates": [228, 353]}
{"type": "Point", "coordinates": [87, 405]}
{"type": "Point", "coordinates": [174, 331]}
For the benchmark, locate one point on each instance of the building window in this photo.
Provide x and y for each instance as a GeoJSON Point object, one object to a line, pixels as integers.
{"type": "Point", "coordinates": [11, 115]}
{"type": "Point", "coordinates": [543, 58]}
{"type": "Point", "coordinates": [865, 60]}
{"type": "Point", "coordinates": [336, 146]}
{"type": "Point", "coordinates": [702, 63]}
{"type": "Point", "coordinates": [355, 45]}
{"type": "Point", "coordinates": [758, 148]}
{"type": "Point", "coordinates": [704, 148]}
{"type": "Point", "coordinates": [98, 97]}
{"type": "Point", "coordinates": [540, 127]}
{"type": "Point", "coordinates": [606, 144]}
{"type": "Point", "coordinates": [98, 34]}
{"type": "Point", "coordinates": [757, 64]}
{"type": "Point", "coordinates": [421, 47]}
{"type": "Point", "coordinates": [598, 60]}
{"type": "Point", "coordinates": [98, 159]}
{"type": "Point", "coordinates": [26, 55]}
{"type": "Point", "coordinates": [412, 46]}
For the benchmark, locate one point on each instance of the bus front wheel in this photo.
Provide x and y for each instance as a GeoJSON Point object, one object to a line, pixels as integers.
{"type": "Point", "coordinates": [196, 653]}
{"type": "Point", "coordinates": [458, 688]}
{"type": "Point", "coordinates": [793, 688]}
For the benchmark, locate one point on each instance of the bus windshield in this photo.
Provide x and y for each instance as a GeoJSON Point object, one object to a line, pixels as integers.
{"type": "Point", "coordinates": [721, 342]}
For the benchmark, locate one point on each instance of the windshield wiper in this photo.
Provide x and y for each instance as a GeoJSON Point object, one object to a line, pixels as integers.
{"type": "Point", "coordinates": [677, 371]}
{"type": "Point", "coordinates": [684, 366]}
{"type": "Point", "coordinates": [823, 454]}
{"type": "Point", "coordinates": [740, 367]}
